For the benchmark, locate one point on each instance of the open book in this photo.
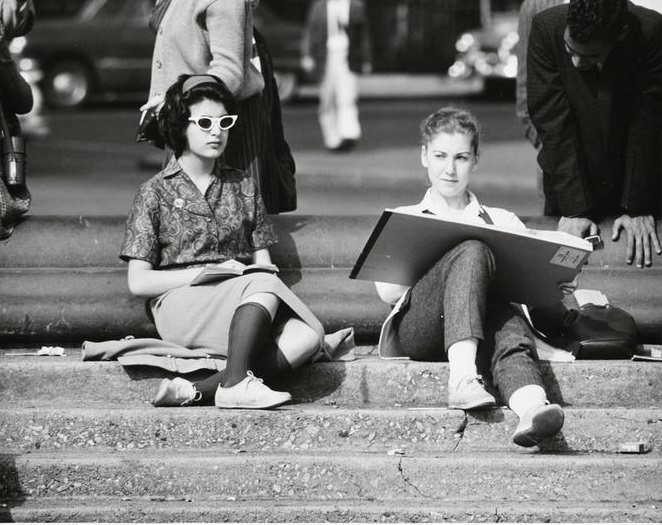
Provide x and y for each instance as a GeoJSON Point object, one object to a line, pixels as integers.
{"type": "Point", "coordinates": [530, 264]}
{"type": "Point", "coordinates": [231, 268]}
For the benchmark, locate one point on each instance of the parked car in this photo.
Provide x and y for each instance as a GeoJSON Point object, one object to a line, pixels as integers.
{"type": "Point", "coordinates": [490, 51]}
{"type": "Point", "coordinates": [105, 49]}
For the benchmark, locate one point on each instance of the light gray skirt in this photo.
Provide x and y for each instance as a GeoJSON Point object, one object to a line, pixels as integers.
{"type": "Point", "coordinates": [198, 317]}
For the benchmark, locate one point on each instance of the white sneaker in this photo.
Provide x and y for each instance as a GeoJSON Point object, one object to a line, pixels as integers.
{"type": "Point", "coordinates": [251, 392]}
{"type": "Point", "coordinates": [537, 424]}
{"type": "Point", "coordinates": [176, 392]}
{"type": "Point", "coordinates": [469, 394]}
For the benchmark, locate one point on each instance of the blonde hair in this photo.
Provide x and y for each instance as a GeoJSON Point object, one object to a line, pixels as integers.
{"type": "Point", "coordinates": [451, 119]}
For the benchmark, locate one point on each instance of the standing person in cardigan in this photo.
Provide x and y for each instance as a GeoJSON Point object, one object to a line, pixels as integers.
{"type": "Point", "coordinates": [594, 85]}
{"type": "Point", "coordinates": [336, 46]}
{"type": "Point", "coordinates": [216, 37]}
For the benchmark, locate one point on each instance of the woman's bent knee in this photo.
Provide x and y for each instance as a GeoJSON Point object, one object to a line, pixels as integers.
{"type": "Point", "coordinates": [475, 247]}
{"type": "Point", "coordinates": [297, 341]}
{"type": "Point", "coordinates": [475, 251]}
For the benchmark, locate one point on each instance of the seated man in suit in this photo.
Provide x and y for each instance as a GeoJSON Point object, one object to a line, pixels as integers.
{"type": "Point", "coordinates": [594, 82]}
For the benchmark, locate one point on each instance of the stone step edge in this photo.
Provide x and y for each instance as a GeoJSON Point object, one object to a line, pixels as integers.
{"type": "Point", "coordinates": [109, 509]}
{"type": "Point", "coordinates": [317, 429]}
{"type": "Point", "coordinates": [37, 381]}
{"type": "Point", "coordinates": [490, 477]}
{"type": "Point", "coordinates": [74, 352]}
{"type": "Point", "coordinates": [363, 352]}
{"type": "Point", "coordinates": [309, 410]}
{"type": "Point", "coordinates": [191, 458]}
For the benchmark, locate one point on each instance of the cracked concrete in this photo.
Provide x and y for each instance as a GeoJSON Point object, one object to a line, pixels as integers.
{"type": "Point", "coordinates": [459, 433]}
{"type": "Point", "coordinates": [407, 481]}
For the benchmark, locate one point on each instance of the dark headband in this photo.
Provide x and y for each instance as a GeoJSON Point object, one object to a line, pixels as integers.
{"type": "Point", "coordinates": [196, 80]}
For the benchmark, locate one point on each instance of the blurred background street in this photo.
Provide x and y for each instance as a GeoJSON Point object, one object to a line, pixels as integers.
{"type": "Point", "coordinates": [90, 164]}
{"type": "Point", "coordinates": [88, 62]}
{"type": "Point", "coordinates": [83, 158]}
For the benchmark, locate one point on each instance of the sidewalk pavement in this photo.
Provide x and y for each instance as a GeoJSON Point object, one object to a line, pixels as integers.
{"type": "Point", "coordinates": [502, 164]}
{"type": "Point", "coordinates": [509, 164]}
{"type": "Point", "coordinates": [394, 85]}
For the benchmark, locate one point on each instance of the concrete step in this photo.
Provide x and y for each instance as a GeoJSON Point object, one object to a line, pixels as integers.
{"type": "Point", "coordinates": [302, 428]}
{"type": "Point", "coordinates": [76, 289]}
{"type": "Point", "coordinates": [281, 478]}
{"type": "Point", "coordinates": [306, 510]}
{"type": "Point", "coordinates": [368, 382]}
{"type": "Point", "coordinates": [56, 305]}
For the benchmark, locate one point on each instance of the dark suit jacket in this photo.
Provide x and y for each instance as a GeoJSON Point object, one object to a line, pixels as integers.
{"type": "Point", "coordinates": [601, 131]}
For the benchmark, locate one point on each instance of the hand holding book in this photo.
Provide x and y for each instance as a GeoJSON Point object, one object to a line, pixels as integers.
{"type": "Point", "coordinates": [228, 269]}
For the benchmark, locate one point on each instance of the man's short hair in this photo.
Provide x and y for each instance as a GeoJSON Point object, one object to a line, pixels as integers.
{"type": "Point", "coordinates": [596, 20]}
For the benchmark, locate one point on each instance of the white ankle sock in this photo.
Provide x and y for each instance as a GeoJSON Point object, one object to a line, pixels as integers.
{"type": "Point", "coordinates": [527, 397]}
{"type": "Point", "coordinates": [462, 360]}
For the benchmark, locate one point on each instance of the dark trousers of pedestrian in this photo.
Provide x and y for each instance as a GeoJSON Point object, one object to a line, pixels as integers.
{"type": "Point", "coordinates": [452, 303]}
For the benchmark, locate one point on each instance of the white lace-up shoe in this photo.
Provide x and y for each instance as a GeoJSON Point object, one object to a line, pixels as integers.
{"type": "Point", "coordinates": [175, 393]}
{"type": "Point", "coordinates": [251, 392]}
{"type": "Point", "coordinates": [469, 394]}
{"type": "Point", "coordinates": [537, 424]}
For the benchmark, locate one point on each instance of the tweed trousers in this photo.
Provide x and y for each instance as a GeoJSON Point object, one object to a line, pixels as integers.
{"type": "Point", "coordinates": [452, 303]}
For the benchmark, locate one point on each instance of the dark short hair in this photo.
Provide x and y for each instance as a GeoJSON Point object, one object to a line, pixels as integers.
{"type": "Point", "coordinates": [176, 110]}
{"type": "Point", "coordinates": [596, 20]}
{"type": "Point", "coordinates": [451, 119]}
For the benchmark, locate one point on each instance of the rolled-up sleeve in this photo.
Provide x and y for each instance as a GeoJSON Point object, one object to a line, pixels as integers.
{"type": "Point", "coordinates": [141, 239]}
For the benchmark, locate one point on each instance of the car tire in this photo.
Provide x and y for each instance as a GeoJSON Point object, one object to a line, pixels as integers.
{"type": "Point", "coordinates": [67, 84]}
{"type": "Point", "coordinates": [288, 85]}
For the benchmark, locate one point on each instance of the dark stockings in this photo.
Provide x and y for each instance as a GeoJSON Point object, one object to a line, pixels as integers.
{"type": "Point", "coordinates": [249, 348]}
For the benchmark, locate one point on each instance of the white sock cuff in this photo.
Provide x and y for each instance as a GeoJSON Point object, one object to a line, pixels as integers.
{"type": "Point", "coordinates": [462, 360]}
{"type": "Point", "coordinates": [527, 397]}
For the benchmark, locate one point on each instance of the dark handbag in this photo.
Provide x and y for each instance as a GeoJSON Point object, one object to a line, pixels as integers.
{"type": "Point", "coordinates": [277, 174]}
{"type": "Point", "coordinates": [600, 332]}
{"type": "Point", "coordinates": [148, 130]}
{"type": "Point", "coordinates": [15, 198]}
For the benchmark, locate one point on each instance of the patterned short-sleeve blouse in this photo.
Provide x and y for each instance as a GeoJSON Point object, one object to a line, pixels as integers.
{"type": "Point", "coordinates": [173, 225]}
